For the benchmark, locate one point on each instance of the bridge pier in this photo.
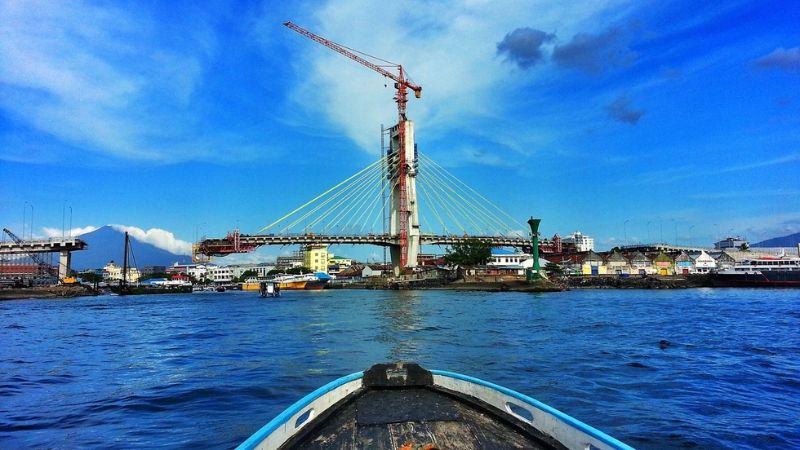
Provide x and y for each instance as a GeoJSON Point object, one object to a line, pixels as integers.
{"type": "Point", "coordinates": [64, 263]}
{"type": "Point", "coordinates": [404, 212]}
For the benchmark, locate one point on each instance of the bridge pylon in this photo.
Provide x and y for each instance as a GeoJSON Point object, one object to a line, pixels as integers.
{"type": "Point", "coordinates": [402, 168]}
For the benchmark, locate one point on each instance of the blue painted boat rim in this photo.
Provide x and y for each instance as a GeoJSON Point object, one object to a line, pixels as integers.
{"type": "Point", "coordinates": [566, 418]}
{"type": "Point", "coordinates": [253, 441]}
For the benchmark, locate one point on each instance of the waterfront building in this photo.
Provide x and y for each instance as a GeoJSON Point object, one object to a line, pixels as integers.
{"type": "Point", "coordinates": [338, 263]}
{"type": "Point", "coordinates": [570, 262]}
{"type": "Point", "coordinates": [221, 274]}
{"type": "Point", "coordinates": [731, 243]}
{"type": "Point", "coordinates": [113, 272]}
{"type": "Point", "coordinates": [664, 264]}
{"type": "Point", "coordinates": [197, 271]}
{"type": "Point", "coordinates": [582, 242]}
{"type": "Point", "coordinates": [150, 270]}
{"type": "Point", "coordinates": [315, 257]}
{"type": "Point", "coordinates": [553, 245]}
{"type": "Point", "coordinates": [284, 263]}
{"type": "Point", "coordinates": [375, 270]}
{"type": "Point", "coordinates": [504, 257]}
{"type": "Point", "coordinates": [617, 264]}
{"type": "Point", "coordinates": [704, 263]}
{"type": "Point", "coordinates": [260, 269]}
{"type": "Point", "coordinates": [430, 259]}
{"type": "Point", "coordinates": [723, 260]}
{"type": "Point", "coordinates": [684, 264]}
{"type": "Point", "coordinates": [641, 264]}
{"type": "Point", "coordinates": [593, 264]}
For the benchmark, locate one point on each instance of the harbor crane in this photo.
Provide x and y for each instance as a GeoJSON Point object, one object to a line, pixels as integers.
{"type": "Point", "coordinates": [41, 265]}
{"type": "Point", "coordinates": [404, 195]}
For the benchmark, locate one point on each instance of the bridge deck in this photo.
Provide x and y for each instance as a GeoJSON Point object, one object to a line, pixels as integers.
{"type": "Point", "coordinates": [246, 243]}
{"type": "Point", "coordinates": [42, 246]}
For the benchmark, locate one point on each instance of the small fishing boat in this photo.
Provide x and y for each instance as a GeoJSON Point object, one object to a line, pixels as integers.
{"type": "Point", "coordinates": [269, 289]}
{"type": "Point", "coordinates": [403, 406]}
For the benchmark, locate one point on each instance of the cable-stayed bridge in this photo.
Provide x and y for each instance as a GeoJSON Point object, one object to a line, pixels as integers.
{"type": "Point", "coordinates": [401, 201]}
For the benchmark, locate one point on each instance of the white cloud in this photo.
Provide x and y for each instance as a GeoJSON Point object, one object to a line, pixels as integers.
{"type": "Point", "coordinates": [162, 239]}
{"type": "Point", "coordinates": [450, 48]}
{"type": "Point", "coordinates": [105, 79]}
{"type": "Point", "coordinates": [57, 232]}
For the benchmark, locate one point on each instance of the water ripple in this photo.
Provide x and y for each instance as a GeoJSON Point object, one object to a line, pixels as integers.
{"type": "Point", "coordinates": [699, 368]}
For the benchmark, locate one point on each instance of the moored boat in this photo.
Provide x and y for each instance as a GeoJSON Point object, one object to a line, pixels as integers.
{"type": "Point", "coordinates": [308, 281]}
{"type": "Point", "coordinates": [162, 286]}
{"type": "Point", "coordinates": [404, 406]}
{"type": "Point", "coordinates": [760, 272]}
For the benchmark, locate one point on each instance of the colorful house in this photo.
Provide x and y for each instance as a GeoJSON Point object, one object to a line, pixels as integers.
{"type": "Point", "coordinates": [593, 264]}
{"type": "Point", "coordinates": [664, 264]}
{"type": "Point", "coordinates": [617, 264]}
{"type": "Point", "coordinates": [641, 264]}
{"type": "Point", "coordinates": [684, 264]}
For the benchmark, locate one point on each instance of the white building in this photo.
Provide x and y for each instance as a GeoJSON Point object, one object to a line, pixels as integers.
{"type": "Point", "coordinates": [261, 269]}
{"type": "Point", "coordinates": [582, 242]}
{"type": "Point", "coordinates": [503, 257]}
{"type": "Point", "coordinates": [223, 274]}
{"type": "Point", "coordinates": [704, 263]}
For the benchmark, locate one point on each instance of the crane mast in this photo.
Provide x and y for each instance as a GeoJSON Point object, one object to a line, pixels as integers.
{"type": "Point", "coordinates": [401, 84]}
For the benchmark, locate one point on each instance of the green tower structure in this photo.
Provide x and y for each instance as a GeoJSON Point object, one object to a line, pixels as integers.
{"type": "Point", "coordinates": [535, 273]}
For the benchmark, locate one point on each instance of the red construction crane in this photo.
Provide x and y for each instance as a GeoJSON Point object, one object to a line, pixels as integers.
{"type": "Point", "coordinates": [401, 83]}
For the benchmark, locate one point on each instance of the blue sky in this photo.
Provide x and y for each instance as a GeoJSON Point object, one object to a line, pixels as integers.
{"type": "Point", "coordinates": [616, 118]}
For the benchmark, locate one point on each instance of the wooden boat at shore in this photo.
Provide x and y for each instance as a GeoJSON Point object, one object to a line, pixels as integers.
{"type": "Point", "coordinates": [404, 406]}
{"type": "Point", "coordinates": [127, 288]}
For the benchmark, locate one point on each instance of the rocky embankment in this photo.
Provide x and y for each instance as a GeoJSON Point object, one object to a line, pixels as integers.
{"type": "Point", "coordinates": [60, 291]}
{"type": "Point", "coordinates": [636, 282]}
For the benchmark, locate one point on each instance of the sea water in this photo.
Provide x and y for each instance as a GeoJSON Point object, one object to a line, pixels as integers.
{"type": "Point", "coordinates": [705, 368]}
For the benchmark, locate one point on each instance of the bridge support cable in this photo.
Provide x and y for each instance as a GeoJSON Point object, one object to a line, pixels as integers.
{"type": "Point", "coordinates": [427, 201]}
{"type": "Point", "coordinates": [471, 209]}
{"type": "Point", "coordinates": [445, 207]}
{"type": "Point", "coordinates": [475, 206]}
{"type": "Point", "coordinates": [493, 211]}
{"type": "Point", "coordinates": [383, 208]}
{"type": "Point", "coordinates": [337, 186]}
{"type": "Point", "coordinates": [364, 216]}
{"type": "Point", "coordinates": [449, 176]}
{"type": "Point", "coordinates": [462, 208]}
{"type": "Point", "coordinates": [342, 195]}
{"type": "Point", "coordinates": [363, 194]}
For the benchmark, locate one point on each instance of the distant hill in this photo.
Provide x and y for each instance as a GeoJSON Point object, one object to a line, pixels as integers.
{"type": "Point", "coordinates": [105, 244]}
{"type": "Point", "coordinates": [786, 241]}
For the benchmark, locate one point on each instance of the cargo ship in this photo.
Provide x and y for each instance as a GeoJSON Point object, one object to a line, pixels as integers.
{"type": "Point", "coordinates": [760, 272]}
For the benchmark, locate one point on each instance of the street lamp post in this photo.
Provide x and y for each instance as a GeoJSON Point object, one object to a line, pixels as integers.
{"type": "Point", "coordinates": [24, 215]}
{"type": "Point", "coordinates": [676, 231]}
{"type": "Point", "coordinates": [625, 231]}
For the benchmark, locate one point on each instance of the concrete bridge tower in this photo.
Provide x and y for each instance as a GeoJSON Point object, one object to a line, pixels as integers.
{"type": "Point", "coordinates": [404, 214]}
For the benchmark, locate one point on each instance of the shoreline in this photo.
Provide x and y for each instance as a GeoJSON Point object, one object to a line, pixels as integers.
{"type": "Point", "coordinates": [514, 285]}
